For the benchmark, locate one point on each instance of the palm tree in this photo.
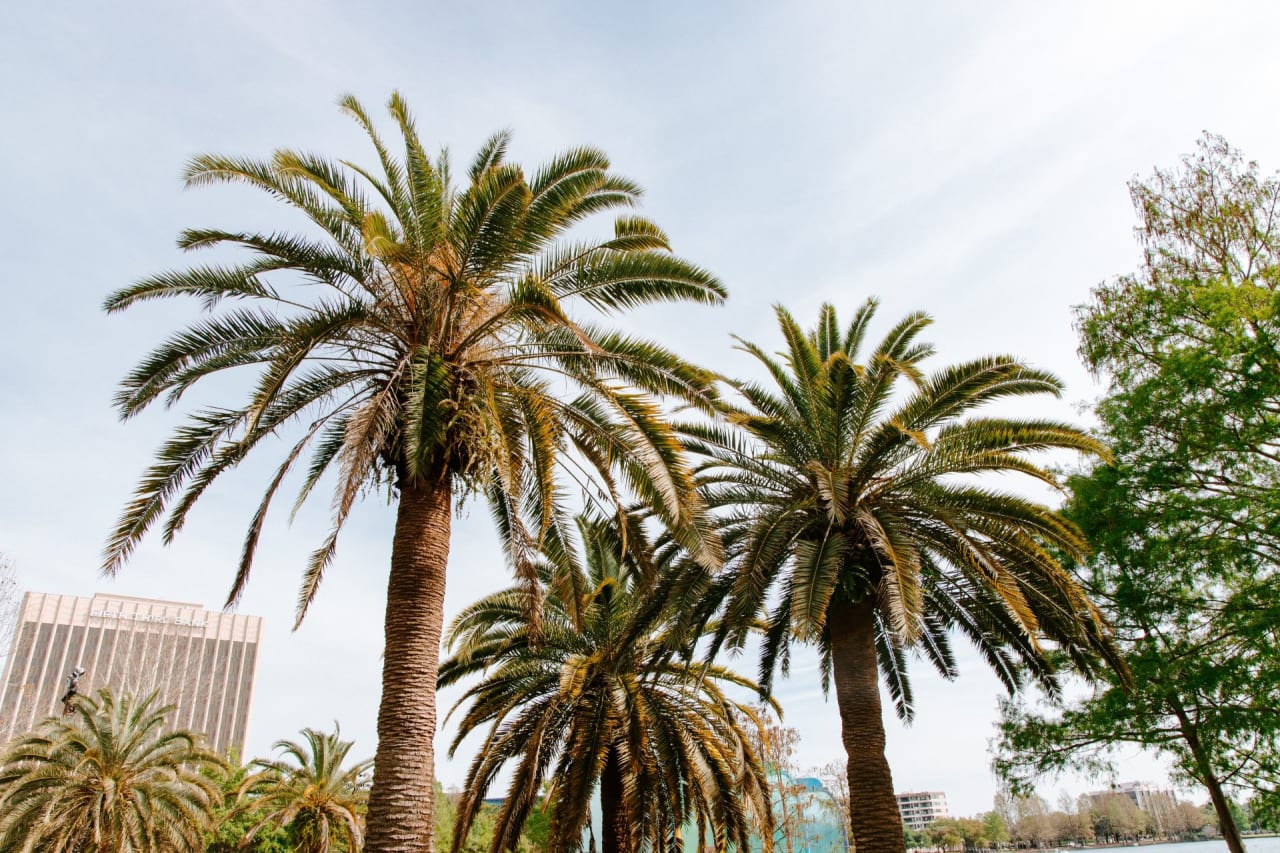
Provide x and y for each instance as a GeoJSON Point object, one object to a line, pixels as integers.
{"type": "Point", "coordinates": [107, 779]}
{"type": "Point", "coordinates": [603, 696]}
{"type": "Point", "coordinates": [856, 518]}
{"type": "Point", "coordinates": [310, 793]}
{"type": "Point", "coordinates": [233, 819]}
{"type": "Point", "coordinates": [424, 340]}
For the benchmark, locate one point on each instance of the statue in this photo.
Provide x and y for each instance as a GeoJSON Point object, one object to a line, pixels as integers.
{"type": "Point", "coordinates": [73, 689]}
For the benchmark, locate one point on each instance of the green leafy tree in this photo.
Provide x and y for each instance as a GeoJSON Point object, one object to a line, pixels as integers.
{"type": "Point", "coordinates": [602, 698]}
{"type": "Point", "coordinates": [483, 827]}
{"type": "Point", "coordinates": [232, 821]}
{"type": "Point", "coordinates": [310, 793]}
{"type": "Point", "coordinates": [107, 778]}
{"type": "Point", "coordinates": [433, 339]}
{"type": "Point", "coordinates": [1185, 519]}
{"type": "Point", "coordinates": [854, 521]}
{"type": "Point", "coordinates": [915, 839]}
{"type": "Point", "coordinates": [995, 829]}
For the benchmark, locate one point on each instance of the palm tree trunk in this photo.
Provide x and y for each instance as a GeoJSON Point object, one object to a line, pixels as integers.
{"type": "Point", "coordinates": [873, 809]}
{"type": "Point", "coordinates": [1221, 807]}
{"type": "Point", "coordinates": [616, 828]}
{"type": "Point", "coordinates": [402, 801]}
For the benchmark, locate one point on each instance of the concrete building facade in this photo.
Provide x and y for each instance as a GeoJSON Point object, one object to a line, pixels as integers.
{"type": "Point", "coordinates": [201, 661]}
{"type": "Point", "coordinates": [1150, 798]}
{"type": "Point", "coordinates": [921, 808]}
{"type": "Point", "coordinates": [1160, 804]}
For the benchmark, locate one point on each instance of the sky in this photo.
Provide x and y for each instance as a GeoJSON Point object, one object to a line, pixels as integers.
{"type": "Point", "coordinates": [967, 159]}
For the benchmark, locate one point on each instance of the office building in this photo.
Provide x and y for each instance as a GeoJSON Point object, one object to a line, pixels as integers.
{"type": "Point", "coordinates": [1160, 804]}
{"type": "Point", "coordinates": [921, 808]}
{"type": "Point", "coordinates": [202, 662]}
{"type": "Point", "coordinates": [1147, 797]}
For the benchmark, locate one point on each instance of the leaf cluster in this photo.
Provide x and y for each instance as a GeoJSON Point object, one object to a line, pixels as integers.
{"type": "Point", "coordinates": [311, 793]}
{"type": "Point", "coordinates": [1185, 516]}
{"type": "Point", "coordinates": [853, 476]}
{"type": "Point", "coordinates": [604, 687]}
{"type": "Point", "coordinates": [422, 331]}
{"type": "Point", "coordinates": [106, 778]}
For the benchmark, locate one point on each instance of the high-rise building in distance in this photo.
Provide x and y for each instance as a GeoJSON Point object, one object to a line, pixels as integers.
{"type": "Point", "coordinates": [921, 808]}
{"type": "Point", "coordinates": [201, 661]}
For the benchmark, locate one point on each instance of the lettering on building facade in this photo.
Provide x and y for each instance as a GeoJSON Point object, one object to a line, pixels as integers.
{"type": "Point", "coordinates": [180, 621]}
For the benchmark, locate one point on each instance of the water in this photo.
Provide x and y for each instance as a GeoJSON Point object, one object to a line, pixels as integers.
{"type": "Point", "coordinates": [1269, 844]}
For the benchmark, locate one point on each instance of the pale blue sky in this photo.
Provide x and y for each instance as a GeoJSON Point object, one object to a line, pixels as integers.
{"type": "Point", "coordinates": [968, 159]}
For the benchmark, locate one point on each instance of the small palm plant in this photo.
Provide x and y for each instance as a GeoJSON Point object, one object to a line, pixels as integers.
{"type": "Point", "coordinates": [107, 779]}
{"type": "Point", "coordinates": [310, 793]}
{"type": "Point", "coordinates": [603, 697]}
{"type": "Point", "coordinates": [858, 516]}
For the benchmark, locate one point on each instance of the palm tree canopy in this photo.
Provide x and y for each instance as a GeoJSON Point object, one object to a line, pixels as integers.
{"type": "Point", "coordinates": [606, 677]}
{"type": "Point", "coordinates": [310, 791]}
{"type": "Point", "coordinates": [107, 778]}
{"type": "Point", "coordinates": [850, 477]}
{"type": "Point", "coordinates": [425, 330]}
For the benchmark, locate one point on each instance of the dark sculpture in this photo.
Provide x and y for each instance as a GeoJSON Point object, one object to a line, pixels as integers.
{"type": "Point", "coordinates": [73, 689]}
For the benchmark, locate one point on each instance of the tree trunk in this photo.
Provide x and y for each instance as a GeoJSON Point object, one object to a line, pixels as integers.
{"type": "Point", "coordinates": [873, 809]}
{"type": "Point", "coordinates": [402, 801]}
{"type": "Point", "coordinates": [615, 826]}
{"type": "Point", "coordinates": [1226, 820]}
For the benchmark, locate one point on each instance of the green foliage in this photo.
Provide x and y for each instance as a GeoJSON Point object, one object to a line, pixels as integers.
{"type": "Point", "coordinates": [981, 833]}
{"type": "Point", "coordinates": [845, 487]}
{"type": "Point", "coordinates": [419, 330]}
{"type": "Point", "coordinates": [602, 687]}
{"type": "Point", "coordinates": [916, 839]}
{"type": "Point", "coordinates": [107, 778]}
{"type": "Point", "coordinates": [994, 829]}
{"type": "Point", "coordinates": [1185, 518]}
{"type": "Point", "coordinates": [483, 831]}
{"type": "Point", "coordinates": [232, 829]}
{"type": "Point", "coordinates": [423, 335]}
{"type": "Point", "coordinates": [310, 794]}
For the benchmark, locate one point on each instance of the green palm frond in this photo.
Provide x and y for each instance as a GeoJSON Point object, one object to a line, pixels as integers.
{"type": "Point", "coordinates": [605, 687]}
{"type": "Point", "coordinates": [107, 777]}
{"type": "Point", "coordinates": [312, 789]}
{"type": "Point", "coordinates": [423, 330]}
{"type": "Point", "coordinates": [860, 477]}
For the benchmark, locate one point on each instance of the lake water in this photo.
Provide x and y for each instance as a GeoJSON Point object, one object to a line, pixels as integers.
{"type": "Point", "coordinates": [1270, 844]}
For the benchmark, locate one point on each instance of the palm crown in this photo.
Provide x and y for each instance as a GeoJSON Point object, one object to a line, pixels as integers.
{"type": "Point", "coordinates": [603, 696]}
{"type": "Point", "coordinates": [107, 778]}
{"type": "Point", "coordinates": [847, 487]}
{"type": "Point", "coordinates": [422, 338]}
{"type": "Point", "coordinates": [310, 791]}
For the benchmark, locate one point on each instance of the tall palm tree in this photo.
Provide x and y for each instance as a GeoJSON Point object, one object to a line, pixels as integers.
{"type": "Point", "coordinates": [310, 792]}
{"type": "Point", "coordinates": [430, 339]}
{"type": "Point", "coordinates": [602, 696]}
{"type": "Point", "coordinates": [107, 779]}
{"type": "Point", "coordinates": [857, 517]}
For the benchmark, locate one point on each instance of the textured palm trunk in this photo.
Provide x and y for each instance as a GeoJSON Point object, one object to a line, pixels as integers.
{"type": "Point", "coordinates": [873, 809]}
{"type": "Point", "coordinates": [616, 828]}
{"type": "Point", "coordinates": [402, 801]}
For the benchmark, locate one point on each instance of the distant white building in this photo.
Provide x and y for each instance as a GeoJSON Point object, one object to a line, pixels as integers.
{"type": "Point", "coordinates": [921, 808]}
{"type": "Point", "coordinates": [1144, 795]}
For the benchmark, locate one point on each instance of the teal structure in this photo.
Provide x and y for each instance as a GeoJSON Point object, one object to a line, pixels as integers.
{"type": "Point", "coordinates": [819, 827]}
